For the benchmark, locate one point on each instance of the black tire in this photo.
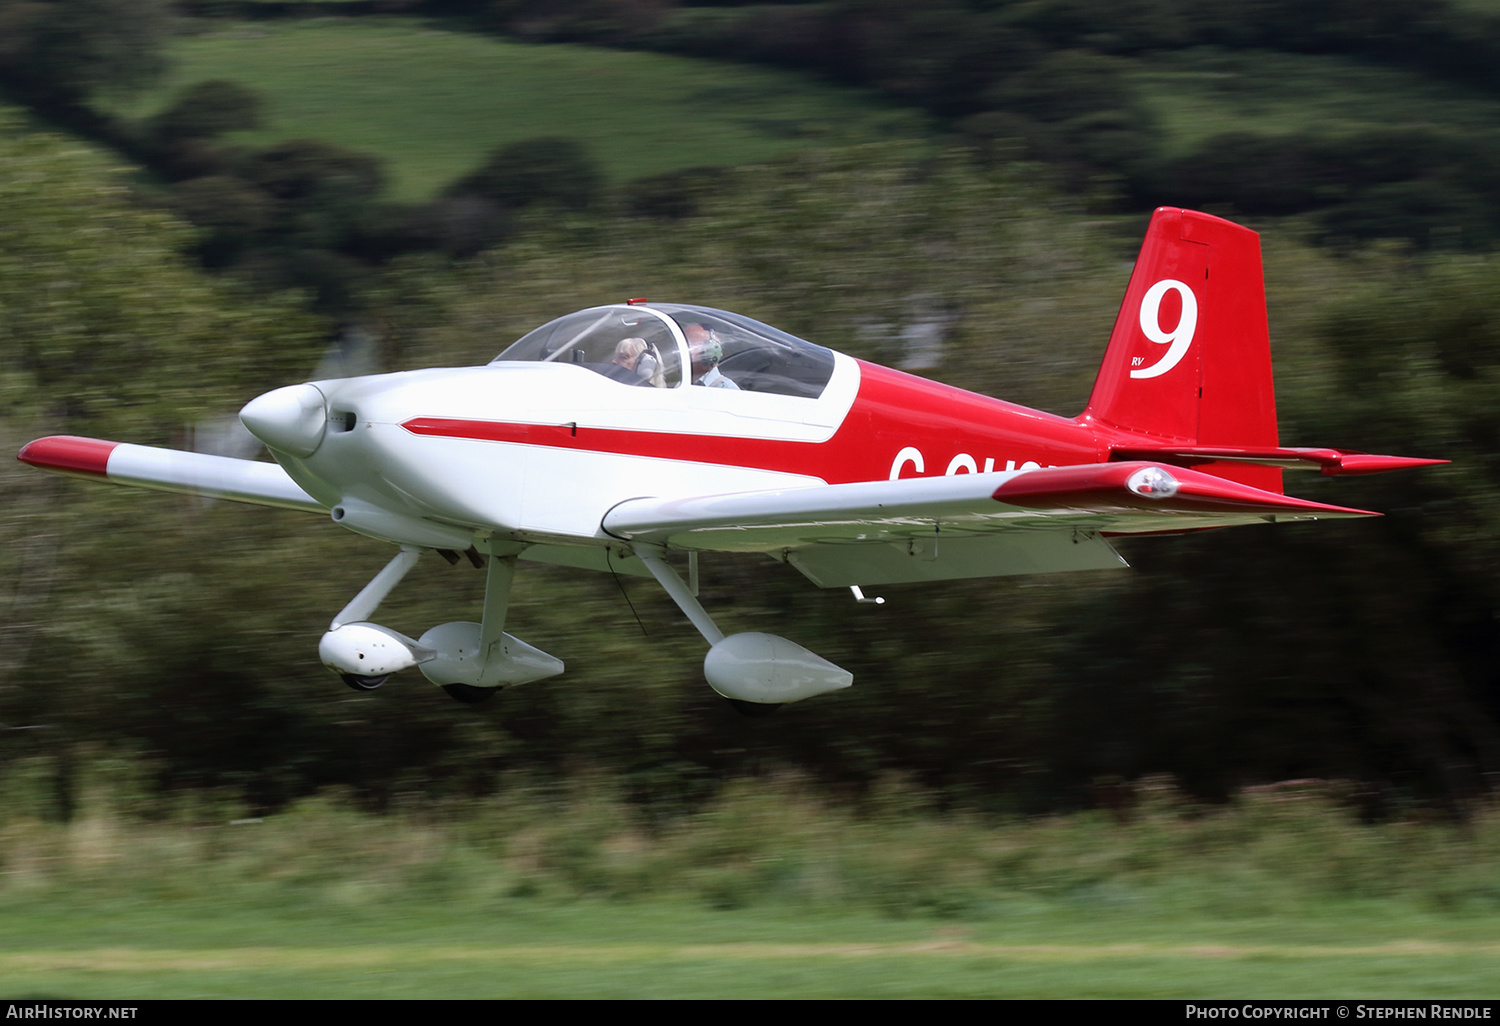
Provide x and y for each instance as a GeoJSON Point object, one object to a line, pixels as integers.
{"type": "Point", "coordinates": [359, 683]}
{"type": "Point", "coordinates": [468, 694]}
{"type": "Point", "coordinates": [753, 710]}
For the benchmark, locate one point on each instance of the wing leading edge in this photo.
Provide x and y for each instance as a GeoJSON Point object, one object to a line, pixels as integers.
{"type": "Point", "coordinates": [966, 525]}
{"type": "Point", "coordinates": [170, 470]}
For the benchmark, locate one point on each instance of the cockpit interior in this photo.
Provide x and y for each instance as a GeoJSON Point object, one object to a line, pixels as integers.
{"type": "Point", "coordinates": [660, 345]}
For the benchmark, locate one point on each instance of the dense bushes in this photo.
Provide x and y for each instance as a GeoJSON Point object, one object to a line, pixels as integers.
{"type": "Point", "coordinates": [947, 53]}
{"type": "Point", "coordinates": [207, 110]}
{"type": "Point", "coordinates": [543, 170]}
{"type": "Point", "coordinates": [59, 52]}
{"type": "Point", "coordinates": [775, 842]}
{"type": "Point", "coordinates": [1427, 185]}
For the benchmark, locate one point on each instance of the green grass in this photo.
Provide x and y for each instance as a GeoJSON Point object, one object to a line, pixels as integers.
{"type": "Point", "coordinates": [433, 102]}
{"type": "Point", "coordinates": [1200, 93]}
{"type": "Point", "coordinates": [127, 949]}
{"type": "Point", "coordinates": [768, 891]}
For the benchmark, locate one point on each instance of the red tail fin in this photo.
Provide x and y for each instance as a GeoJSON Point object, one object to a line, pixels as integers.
{"type": "Point", "coordinates": [1189, 362]}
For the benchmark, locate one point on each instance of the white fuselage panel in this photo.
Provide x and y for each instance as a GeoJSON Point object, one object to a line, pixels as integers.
{"type": "Point", "coordinates": [543, 451]}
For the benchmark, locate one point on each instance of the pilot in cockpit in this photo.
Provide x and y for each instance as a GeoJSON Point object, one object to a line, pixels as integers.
{"type": "Point", "coordinates": [706, 351]}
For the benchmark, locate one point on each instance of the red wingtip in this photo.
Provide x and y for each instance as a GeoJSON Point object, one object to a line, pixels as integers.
{"type": "Point", "coordinates": [69, 454]}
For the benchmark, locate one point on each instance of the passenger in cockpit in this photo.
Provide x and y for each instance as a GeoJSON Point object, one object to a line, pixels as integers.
{"type": "Point", "coordinates": [627, 357]}
{"type": "Point", "coordinates": [636, 362]}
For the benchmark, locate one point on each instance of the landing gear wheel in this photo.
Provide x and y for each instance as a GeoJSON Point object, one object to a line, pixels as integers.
{"type": "Point", "coordinates": [359, 683]}
{"type": "Point", "coordinates": [468, 694]}
{"type": "Point", "coordinates": [753, 710]}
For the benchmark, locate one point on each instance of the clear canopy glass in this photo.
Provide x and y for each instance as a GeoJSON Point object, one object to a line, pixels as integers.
{"type": "Point", "coordinates": [662, 345]}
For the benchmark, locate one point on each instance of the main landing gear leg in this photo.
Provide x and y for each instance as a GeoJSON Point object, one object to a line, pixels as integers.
{"type": "Point", "coordinates": [473, 661]}
{"type": "Point", "coordinates": [499, 576]}
{"type": "Point", "coordinates": [757, 673]}
{"type": "Point", "coordinates": [681, 594]}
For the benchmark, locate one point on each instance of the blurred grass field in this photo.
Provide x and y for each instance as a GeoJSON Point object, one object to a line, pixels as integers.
{"type": "Point", "coordinates": [661, 950]}
{"type": "Point", "coordinates": [770, 890]}
{"type": "Point", "coordinates": [432, 102]}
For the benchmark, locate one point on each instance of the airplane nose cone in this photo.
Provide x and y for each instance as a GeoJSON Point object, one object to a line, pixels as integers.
{"type": "Point", "coordinates": [290, 420]}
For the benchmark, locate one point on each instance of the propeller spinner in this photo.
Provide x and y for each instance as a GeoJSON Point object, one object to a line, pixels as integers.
{"type": "Point", "coordinates": [292, 419]}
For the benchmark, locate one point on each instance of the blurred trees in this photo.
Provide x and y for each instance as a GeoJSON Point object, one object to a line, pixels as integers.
{"type": "Point", "coordinates": [1363, 650]}
{"type": "Point", "coordinates": [206, 110]}
{"type": "Point", "coordinates": [477, 212]}
{"type": "Point", "coordinates": [104, 329]}
{"type": "Point", "coordinates": [299, 214]}
{"type": "Point", "coordinates": [1369, 646]}
{"type": "Point", "coordinates": [1428, 185]}
{"type": "Point", "coordinates": [1051, 80]}
{"type": "Point", "coordinates": [61, 51]}
{"type": "Point", "coordinates": [946, 53]}
{"type": "Point", "coordinates": [103, 325]}
{"type": "Point", "coordinates": [1056, 80]}
{"type": "Point", "coordinates": [549, 169]}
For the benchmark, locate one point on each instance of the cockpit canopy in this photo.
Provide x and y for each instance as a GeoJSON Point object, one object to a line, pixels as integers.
{"type": "Point", "coordinates": [663, 345]}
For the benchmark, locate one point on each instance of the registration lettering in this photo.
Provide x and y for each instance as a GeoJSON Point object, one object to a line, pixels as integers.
{"type": "Point", "coordinates": [963, 463]}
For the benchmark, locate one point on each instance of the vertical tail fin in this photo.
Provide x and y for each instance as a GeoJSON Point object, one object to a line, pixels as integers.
{"type": "Point", "coordinates": [1189, 361]}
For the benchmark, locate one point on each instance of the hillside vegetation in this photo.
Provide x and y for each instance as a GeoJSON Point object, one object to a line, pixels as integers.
{"type": "Point", "coordinates": [431, 103]}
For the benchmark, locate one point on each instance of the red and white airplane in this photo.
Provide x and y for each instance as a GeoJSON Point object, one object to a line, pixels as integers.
{"type": "Point", "coordinates": [592, 442]}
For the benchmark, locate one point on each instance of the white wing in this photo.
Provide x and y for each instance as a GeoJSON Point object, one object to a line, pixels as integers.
{"type": "Point", "coordinates": [191, 473]}
{"type": "Point", "coordinates": [967, 525]}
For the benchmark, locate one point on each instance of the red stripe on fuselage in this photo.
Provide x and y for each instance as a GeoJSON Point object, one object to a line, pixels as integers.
{"type": "Point", "coordinates": [892, 412]}
{"type": "Point", "coordinates": [69, 454]}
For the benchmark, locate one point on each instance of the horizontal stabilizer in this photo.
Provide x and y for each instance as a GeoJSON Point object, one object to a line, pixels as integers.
{"type": "Point", "coordinates": [1343, 462]}
{"type": "Point", "coordinates": [1129, 490]}
{"type": "Point", "coordinates": [170, 470]}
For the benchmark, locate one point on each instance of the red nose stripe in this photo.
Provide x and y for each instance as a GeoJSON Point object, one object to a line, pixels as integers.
{"type": "Point", "coordinates": [69, 453]}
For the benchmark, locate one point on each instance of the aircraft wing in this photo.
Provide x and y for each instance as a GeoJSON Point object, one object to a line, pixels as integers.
{"type": "Point", "coordinates": [966, 525]}
{"type": "Point", "coordinates": [170, 470]}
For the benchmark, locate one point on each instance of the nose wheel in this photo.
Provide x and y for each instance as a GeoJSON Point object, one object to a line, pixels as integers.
{"type": "Point", "coordinates": [470, 661]}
